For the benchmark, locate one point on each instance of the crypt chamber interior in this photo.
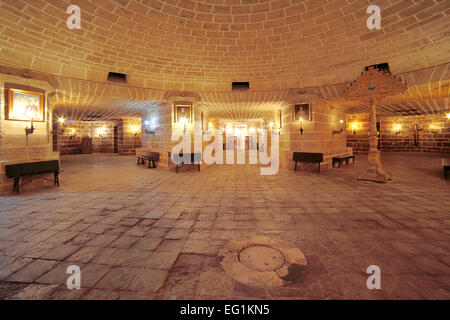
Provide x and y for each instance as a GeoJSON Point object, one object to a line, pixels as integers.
{"type": "Point", "coordinates": [275, 96]}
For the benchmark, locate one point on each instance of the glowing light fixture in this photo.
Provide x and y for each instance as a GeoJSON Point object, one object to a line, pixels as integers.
{"type": "Point", "coordinates": [397, 128]}
{"type": "Point", "coordinates": [354, 128]}
{"type": "Point", "coordinates": [448, 115]}
{"type": "Point", "coordinates": [434, 128]}
{"type": "Point", "coordinates": [61, 120]}
{"type": "Point", "coordinates": [301, 126]}
{"type": "Point", "coordinates": [101, 131]}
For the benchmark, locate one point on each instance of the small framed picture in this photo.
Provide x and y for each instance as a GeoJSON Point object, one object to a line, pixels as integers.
{"type": "Point", "coordinates": [302, 112]}
{"type": "Point", "coordinates": [25, 105]}
{"type": "Point", "coordinates": [183, 113]}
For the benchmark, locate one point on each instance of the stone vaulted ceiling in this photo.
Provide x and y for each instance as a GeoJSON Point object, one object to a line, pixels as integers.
{"type": "Point", "coordinates": [203, 45]}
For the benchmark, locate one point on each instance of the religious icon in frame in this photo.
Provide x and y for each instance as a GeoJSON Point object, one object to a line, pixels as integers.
{"type": "Point", "coordinates": [183, 113]}
{"type": "Point", "coordinates": [302, 112]}
{"type": "Point", "coordinates": [25, 105]}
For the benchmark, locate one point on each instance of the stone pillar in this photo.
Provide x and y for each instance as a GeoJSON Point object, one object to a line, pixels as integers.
{"type": "Point", "coordinates": [375, 171]}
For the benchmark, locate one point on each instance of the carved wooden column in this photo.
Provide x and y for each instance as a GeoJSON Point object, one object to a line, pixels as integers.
{"type": "Point", "coordinates": [372, 85]}
{"type": "Point", "coordinates": [375, 171]}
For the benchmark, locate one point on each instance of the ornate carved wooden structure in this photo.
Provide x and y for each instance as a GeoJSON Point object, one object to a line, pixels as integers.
{"type": "Point", "coordinates": [371, 87]}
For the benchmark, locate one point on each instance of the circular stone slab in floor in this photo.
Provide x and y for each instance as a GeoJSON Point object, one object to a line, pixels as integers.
{"type": "Point", "coordinates": [261, 258]}
{"type": "Point", "coordinates": [262, 262]}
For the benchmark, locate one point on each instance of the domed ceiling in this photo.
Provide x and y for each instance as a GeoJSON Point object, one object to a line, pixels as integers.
{"type": "Point", "coordinates": [204, 45]}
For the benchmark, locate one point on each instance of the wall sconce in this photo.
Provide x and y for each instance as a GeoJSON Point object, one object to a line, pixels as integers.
{"type": "Point", "coordinates": [354, 128]}
{"type": "Point", "coordinates": [152, 132]}
{"type": "Point", "coordinates": [101, 132]}
{"type": "Point", "coordinates": [183, 122]}
{"type": "Point", "coordinates": [340, 130]}
{"type": "Point", "coordinates": [61, 122]}
{"type": "Point", "coordinates": [397, 129]}
{"type": "Point", "coordinates": [135, 129]}
{"type": "Point", "coordinates": [448, 115]}
{"type": "Point", "coordinates": [210, 127]}
{"type": "Point", "coordinates": [301, 126]}
{"type": "Point", "coordinates": [29, 131]}
{"type": "Point", "coordinates": [73, 131]}
{"type": "Point", "coordinates": [434, 129]}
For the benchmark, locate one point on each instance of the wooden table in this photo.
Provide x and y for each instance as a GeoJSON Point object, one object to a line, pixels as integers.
{"type": "Point", "coordinates": [307, 157]}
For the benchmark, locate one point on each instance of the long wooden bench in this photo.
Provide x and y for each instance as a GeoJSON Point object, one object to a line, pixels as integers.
{"type": "Point", "coordinates": [306, 157]}
{"type": "Point", "coordinates": [152, 157]}
{"type": "Point", "coordinates": [446, 166]}
{"type": "Point", "coordinates": [194, 158]}
{"type": "Point", "coordinates": [19, 170]}
{"type": "Point", "coordinates": [341, 159]}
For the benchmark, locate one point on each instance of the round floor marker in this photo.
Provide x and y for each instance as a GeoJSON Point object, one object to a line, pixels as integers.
{"type": "Point", "coordinates": [261, 258]}
{"type": "Point", "coordinates": [262, 262]}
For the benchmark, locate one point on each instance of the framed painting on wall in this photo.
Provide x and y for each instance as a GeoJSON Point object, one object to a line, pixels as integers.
{"type": "Point", "coordinates": [25, 105]}
{"type": "Point", "coordinates": [183, 113]}
{"type": "Point", "coordinates": [302, 112]}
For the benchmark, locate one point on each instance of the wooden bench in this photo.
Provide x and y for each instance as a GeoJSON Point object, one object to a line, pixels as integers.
{"type": "Point", "coordinates": [19, 170]}
{"type": "Point", "coordinates": [307, 157]}
{"type": "Point", "coordinates": [341, 159]}
{"type": "Point", "coordinates": [446, 166]}
{"type": "Point", "coordinates": [194, 158]}
{"type": "Point", "coordinates": [150, 156]}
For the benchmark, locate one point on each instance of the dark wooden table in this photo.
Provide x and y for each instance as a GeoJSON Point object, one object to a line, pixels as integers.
{"type": "Point", "coordinates": [310, 157]}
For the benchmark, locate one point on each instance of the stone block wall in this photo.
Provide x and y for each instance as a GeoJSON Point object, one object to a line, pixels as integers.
{"type": "Point", "coordinates": [359, 141]}
{"type": "Point", "coordinates": [69, 140]}
{"type": "Point", "coordinates": [130, 132]}
{"type": "Point", "coordinates": [433, 134]}
{"type": "Point", "coordinates": [318, 133]}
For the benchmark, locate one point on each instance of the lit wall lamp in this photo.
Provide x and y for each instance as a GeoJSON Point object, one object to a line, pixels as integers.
{"type": "Point", "coordinates": [210, 128]}
{"type": "Point", "coordinates": [29, 131]}
{"type": "Point", "coordinates": [101, 132]}
{"type": "Point", "coordinates": [354, 128]}
{"type": "Point", "coordinates": [397, 129]}
{"type": "Point", "coordinates": [340, 130]}
{"type": "Point", "coordinates": [61, 122]}
{"type": "Point", "coordinates": [135, 130]}
{"type": "Point", "coordinates": [274, 130]}
{"type": "Point", "coordinates": [147, 131]}
{"type": "Point", "coordinates": [448, 115]}
{"type": "Point", "coordinates": [301, 126]}
{"type": "Point", "coordinates": [73, 132]}
{"type": "Point", "coordinates": [183, 122]}
{"type": "Point", "coordinates": [434, 129]}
